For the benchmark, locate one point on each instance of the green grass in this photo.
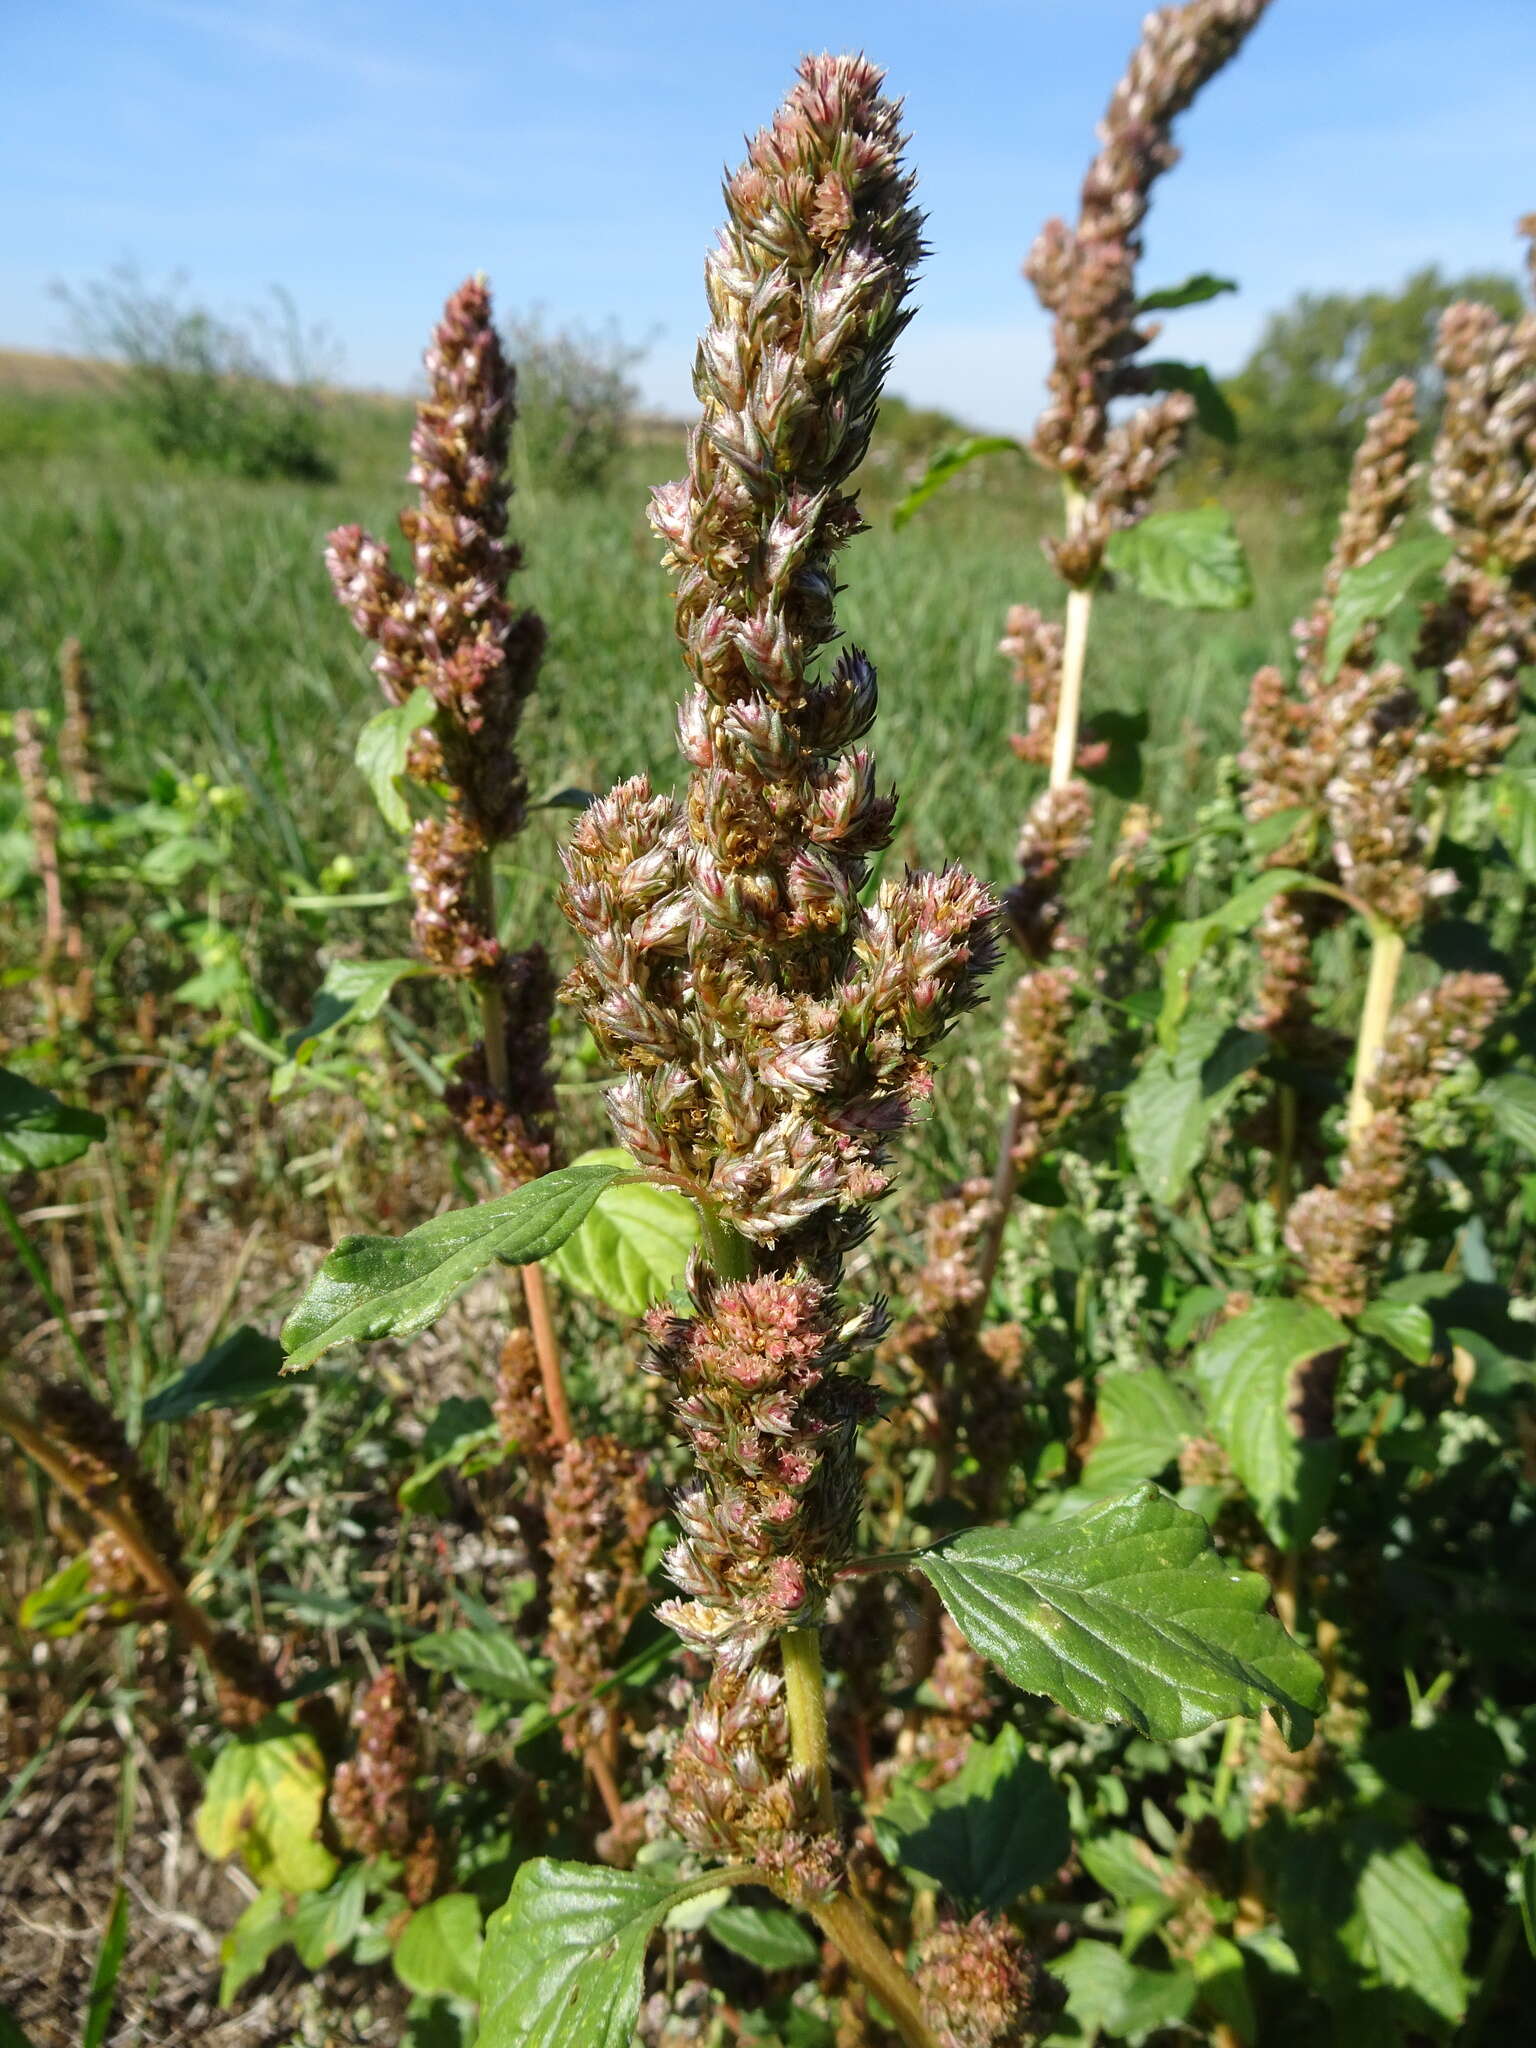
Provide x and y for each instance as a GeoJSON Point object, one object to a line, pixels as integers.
{"type": "Point", "coordinates": [217, 647]}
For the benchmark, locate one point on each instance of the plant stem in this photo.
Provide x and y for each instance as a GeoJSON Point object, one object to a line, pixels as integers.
{"type": "Point", "coordinates": [541, 1323]}
{"type": "Point", "coordinates": [1074, 655]}
{"type": "Point", "coordinates": [843, 1919]}
{"type": "Point", "coordinates": [805, 1700]}
{"type": "Point", "coordinates": [848, 1926]}
{"type": "Point", "coordinates": [31, 1258]}
{"type": "Point", "coordinates": [114, 1513]}
{"type": "Point", "coordinates": [1387, 948]}
{"type": "Point", "coordinates": [1285, 1161]}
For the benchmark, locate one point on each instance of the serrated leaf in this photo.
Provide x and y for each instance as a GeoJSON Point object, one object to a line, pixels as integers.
{"type": "Point", "coordinates": [1187, 942]}
{"type": "Point", "coordinates": [948, 463]}
{"type": "Point", "coordinates": [383, 747]}
{"type": "Point", "coordinates": [490, 1663]}
{"type": "Point", "coordinates": [564, 1957]}
{"type": "Point", "coordinates": [1108, 1995]}
{"type": "Point", "coordinates": [1194, 291]}
{"type": "Point", "coordinates": [1410, 1928]}
{"type": "Point", "coordinates": [438, 1953]}
{"type": "Point", "coordinates": [632, 1248]}
{"type": "Point", "coordinates": [1175, 1099]}
{"type": "Point", "coordinates": [1192, 560]}
{"type": "Point", "coordinates": [1405, 1325]}
{"type": "Point", "coordinates": [1144, 1420]}
{"type": "Point", "coordinates": [38, 1131]}
{"type": "Point", "coordinates": [247, 1366]}
{"type": "Point", "coordinates": [1373, 590]}
{"type": "Point", "coordinates": [1247, 1373]}
{"type": "Point", "coordinates": [373, 1287]}
{"type": "Point", "coordinates": [1212, 410]}
{"type": "Point", "coordinates": [998, 1827]}
{"type": "Point", "coordinates": [1510, 1100]}
{"type": "Point", "coordinates": [353, 992]}
{"type": "Point", "coordinates": [263, 1802]}
{"type": "Point", "coordinates": [766, 1936]}
{"type": "Point", "coordinates": [1126, 1613]}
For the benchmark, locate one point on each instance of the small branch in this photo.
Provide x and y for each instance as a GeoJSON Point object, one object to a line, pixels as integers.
{"type": "Point", "coordinates": [1387, 948]}
{"type": "Point", "coordinates": [606, 1783]}
{"type": "Point", "coordinates": [547, 1346]}
{"type": "Point", "coordinates": [848, 1926]}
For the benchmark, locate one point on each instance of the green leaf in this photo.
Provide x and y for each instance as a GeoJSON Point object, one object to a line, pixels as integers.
{"type": "Point", "coordinates": [1194, 291]}
{"type": "Point", "coordinates": [568, 799]}
{"type": "Point", "coordinates": [632, 1248]}
{"type": "Point", "coordinates": [174, 859]}
{"type": "Point", "coordinates": [1212, 411]}
{"type": "Point", "coordinates": [1247, 1372]}
{"type": "Point", "coordinates": [1144, 1421]}
{"type": "Point", "coordinates": [1510, 1100]}
{"type": "Point", "coordinates": [1452, 1765]}
{"type": "Point", "coordinates": [38, 1131]}
{"type": "Point", "coordinates": [1108, 1995]}
{"type": "Point", "coordinates": [493, 1665]}
{"type": "Point", "coordinates": [1127, 1869]}
{"type": "Point", "coordinates": [1410, 1928]}
{"type": "Point", "coordinates": [1172, 1104]}
{"type": "Point", "coordinates": [948, 463]}
{"type": "Point", "coordinates": [102, 1995]}
{"type": "Point", "coordinates": [564, 1957]}
{"type": "Point", "coordinates": [383, 746]}
{"type": "Point", "coordinates": [11, 2035]}
{"type": "Point", "coordinates": [1407, 1326]}
{"type": "Point", "coordinates": [1526, 1879]}
{"type": "Point", "coordinates": [765, 1935]}
{"type": "Point", "coordinates": [1192, 560]}
{"type": "Point", "coordinates": [245, 1367]}
{"type": "Point", "coordinates": [994, 1830]}
{"type": "Point", "coordinates": [1188, 941]}
{"type": "Point", "coordinates": [1514, 809]}
{"type": "Point", "coordinates": [322, 1924]}
{"type": "Point", "coordinates": [1126, 1613]}
{"type": "Point", "coordinates": [1372, 591]}
{"type": "Point", "coordinates": [1222, 1977]}
{"type": "Point", "coordinates": [459, 1431]}
{"type": "Point", "coordinates": [67, 1599]}
{"type": "Point", "coordinates": [262, 1929]}
{"type": "Point", "coordinates": [353, 991]}
{"type": "Point", "coordinates": [263, 1801]}
{"type": "Point", "coordinates": [394, 1286]}
{"type": "Point", "coordinates": [438, 1954]}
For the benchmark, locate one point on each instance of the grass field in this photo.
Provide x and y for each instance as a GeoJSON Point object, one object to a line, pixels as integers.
{"type": "Point", "coordinates": [216, 645]}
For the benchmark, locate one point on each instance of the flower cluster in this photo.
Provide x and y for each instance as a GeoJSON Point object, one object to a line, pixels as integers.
{"type": "Point", "coordinates": [1055, 833]}
{"type": "Point", "coordinates": [1341, 1234]}
{"type": "Point", "coordinates": [983, 1987]}
{"type": "Point", "coordinates": [1033, 647]}
{"type": "Point", "coordinates": [375, 1805]}
{"type": "Point", "coordinates": [1046, 1078]}
{"type": "Point", "coordinates": [451, 633]}
{"type": "Point", "coordinates": [77, 739]}
{"type": "Point", "coordinates": [599, 1515]}
{"type": "Point", "coordinates": [1482, 487]}
{"type": "Point", "coordinates": [1085, 276]}
{"type": "Point", "coordinates": [774, 1028]}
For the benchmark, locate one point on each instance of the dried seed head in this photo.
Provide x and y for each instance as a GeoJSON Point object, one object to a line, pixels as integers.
{"type": "Point", "coordinates": [1482, 487]}
{"type": "Point", "coordinates": [600, 1515]}
{"type": "Point", "coordinates": [1086, 277]}
{"type": "Point", "coordinates": [375, 1805]}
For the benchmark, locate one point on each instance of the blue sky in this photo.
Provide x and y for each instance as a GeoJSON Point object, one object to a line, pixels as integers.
{"type": "Point", "coordinates": [367, 156]}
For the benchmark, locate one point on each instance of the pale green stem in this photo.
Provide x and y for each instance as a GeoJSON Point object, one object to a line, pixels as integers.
{"type": "Point", "coordinates": [1069, 709]}
{"type": "Point", "coordinates": [1387, 947]}
{"type": "Point", "coordinates": [31, 1258]}
{"type": "Point", "coordinates": [843, 1919]}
